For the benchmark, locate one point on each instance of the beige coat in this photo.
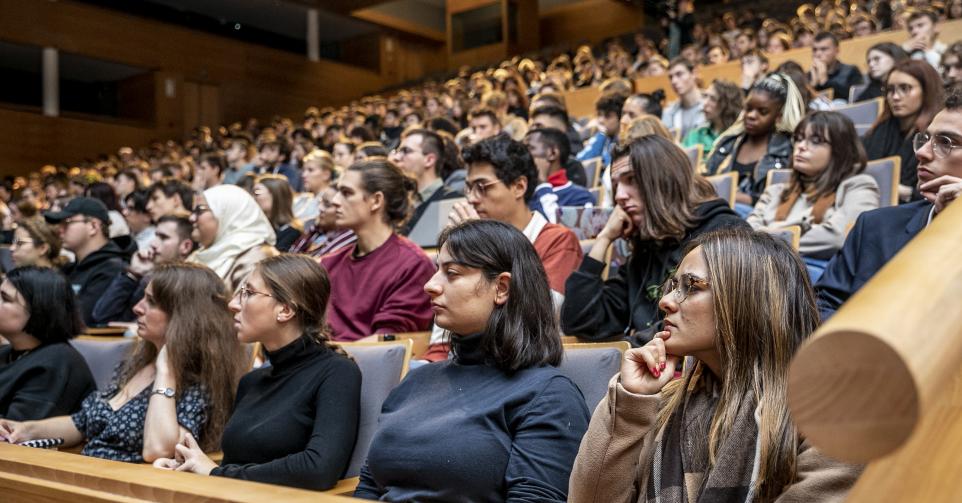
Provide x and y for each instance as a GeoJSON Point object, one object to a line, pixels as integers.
{"type": "Point", "coordinates": [616, 454]}
{"type": "Point", "coordinates": [855, 195]}
{"type": "Point", "coordinates": [244, 264]}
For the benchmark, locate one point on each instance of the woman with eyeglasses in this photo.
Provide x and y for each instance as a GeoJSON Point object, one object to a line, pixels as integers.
{"type": "Point", "coordinates": [722, 431]}
{"type": "Point", "coordinates": [827, 191]}
{"type": "Point", "coordinates": [41, 374]}
{"type": "Point", "coordinates": [880, 59]}
{"type": "Point", "coordinates": [179, 378]}
{"type": "Point", "coordinates": [376, 281]}
{"type": "Point", "coordinates": [294, 422]}
{"type": "Point", "coordinates": [232, 233]}
{"type": "Point", "coordinates": [661, 205]}
{"type": "Point", "coordinates": [36, 243]}
{"type": "Point", "coordinates": [498, 422]}
{"type": "Point", "coordinates": [913, 95]}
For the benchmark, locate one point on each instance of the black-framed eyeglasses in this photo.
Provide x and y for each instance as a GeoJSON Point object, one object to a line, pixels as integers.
{"type": "Point", "coordinates": [899, 89]}
{"type": "Point", "coordinates": [66, 223]}
{"type": "Point", "coordinates": [403, 151]}
{"type": "Point", "coordinates": [683, 286]}
{"type": "Point", "coordinates": [199, 210]}
{"type": "Point", "coordinates": [942, 145]}
{"type": "Point", "coordinates": [479, 188]}
{"type": "Point", "coordinates": [245, 293]}
{"type": "Point", "coordinates": [812, 141]}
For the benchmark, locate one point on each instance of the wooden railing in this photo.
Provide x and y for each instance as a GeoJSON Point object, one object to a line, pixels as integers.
{"type": "Point", "coordinates": [29, 475]}
{"type": "Point", "coordinates": [881, 381]}
{"type": "Point", "coordinates": [581, 102]}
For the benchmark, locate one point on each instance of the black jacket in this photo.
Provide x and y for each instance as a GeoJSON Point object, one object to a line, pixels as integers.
{"type": "Point", "coordinates": [777, 156]}
{"type": "Point", "coordinates": [118, 301]}
{"type": "Point", "coordinates": [627, 304]}
{"type": "Point", "coordinates": [876, 237]}
{"type": "Point", "coordinates": [91, 276]}
{"type": "Point", "coordinates": [887, 139]}
{"type": "Point", "coordinates": [51, 380]}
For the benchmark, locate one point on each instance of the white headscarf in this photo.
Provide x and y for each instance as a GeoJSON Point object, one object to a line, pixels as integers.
{"type": "Point", "coordinates": [241, 226]}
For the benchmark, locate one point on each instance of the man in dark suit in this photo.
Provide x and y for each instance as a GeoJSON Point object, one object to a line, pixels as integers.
{"type": "Point", "coordinates": [880, 234]}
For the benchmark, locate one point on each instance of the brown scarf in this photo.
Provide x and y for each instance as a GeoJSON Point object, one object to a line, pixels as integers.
{"type": "Point", "coordinates": [818, 212]}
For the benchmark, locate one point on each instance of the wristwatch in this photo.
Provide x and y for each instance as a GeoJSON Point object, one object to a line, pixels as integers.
{"type": "Point", "coordinates": [167, 392]}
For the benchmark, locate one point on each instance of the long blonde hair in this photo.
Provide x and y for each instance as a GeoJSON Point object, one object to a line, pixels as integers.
{"type": "Point", "coordinates": [755, 347]}
{"type": "Point", "coordinates": [201, 344]}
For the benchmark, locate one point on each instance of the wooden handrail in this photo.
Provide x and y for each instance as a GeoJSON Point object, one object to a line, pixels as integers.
{"type": "Point", "coordinates": [864, 381]}
{"type": "Point", "coordinates": [28, 474]}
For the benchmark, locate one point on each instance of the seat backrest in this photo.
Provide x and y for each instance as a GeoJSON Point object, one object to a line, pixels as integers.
{"type": "Point", "coordinates": [383, 365]}
{"type": "Point", "coordinates": [863, 112]}
{"type": "Point", "coordinates": [102, 355]}
{"type": "Point", "coordinates": [592, 171]}
{"type": "Point", "coordinates": [726, 184]}
{"type": "Point", "coordinates": [591, 365]}
{"type": "Point", "coordinates": [694, 154]}
{"type": "Point", "coordinates": [791, 234]}
{"type": "Point", "coordinates": [886, 172]}
{"type": "Point", "coordinates": [777, 176]}
{"type": "Point", "coordinates": [861, 129]}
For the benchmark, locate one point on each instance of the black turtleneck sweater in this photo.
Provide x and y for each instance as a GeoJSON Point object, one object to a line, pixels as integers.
{"type": "Point", "coordinates": [295, 422]}
{"type": "Point", "coordinates": [463, 430]}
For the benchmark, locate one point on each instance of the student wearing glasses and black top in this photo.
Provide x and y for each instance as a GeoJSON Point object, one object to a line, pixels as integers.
{"type": "Point", "coordinates": [294, 422]}
{"type": "Point", "coordinates": [498, 422]}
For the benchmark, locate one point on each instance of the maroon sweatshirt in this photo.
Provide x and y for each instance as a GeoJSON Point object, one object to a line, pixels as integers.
{"type": "Point", "coordinates": [379, 293]}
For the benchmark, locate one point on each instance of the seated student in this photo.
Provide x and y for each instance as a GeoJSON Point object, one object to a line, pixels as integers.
{"type": "Point", "coordinates": [343, 153]}
{"type": "Point", "coordinates": [760, 140]}
{"type": "Point", "coordinates": [923, 43]}
{"type": "Point", "coordinates": [180, 378]}
{"type": "Point", "coordinates": [294, 422]}
{"type": "Point", "coordinates": [210, 171]}
{"type": "Point", "coordinates": [878, 235]}
{"type": "Point", "coordinates": [913, 96]}
{"type": "Point", "coordinates": [36, 243]}
{"type": "Point", "coordinates": [41, 374]}
{"type": "Point", "coordinates": [169, 196]}
{"type": "Point", "coordinates": [555, 116]}
{"type": "Point", "coordinates": [104, 193]}
{"type": "Point", "coordinates": [500, 186]}
{"type": "Point", "coordinates": [827, 71]}
{"type": "Point", "coordinates": [952, 64]}
{"type": "Point", "coordinates": [661, 206]}
{"type": "Point", "coordinates": [369, 149]}
{"type": "Point", "coordinates": [484, 124]}
{"type": "Point", "coordinates": [746, 447]}
{"type": "Point", "coordinates": [232, 233]}
{"type": "Point", "coordinates": [498, 422]}
{"type": "Point", "coordinates": [273, 153]}
{"type": "Point", "coordinates": [322, 235]}
{"type": "Point", "coordinates": [880, 59]}
{"type": "Point", "coordinates": [239, 154]}
{"type": "Point", "coordinates": [608, 108]}
{"type": "Point", "coordinates": [376, 281]}
{"type": "Point", "coordinates": [275, 198]}
{"type": "Point", "coordinates": [171, 243]}
{"type": "Point", "coordinates": [424, 155]}
{"type": "Point", "coordinates": [723, 103]}
{"type": "Point", "coordinates": [685, 113]}
{"type": "Point", "coordinates": [828, 189]}
{"type": "Point", "coordinates": [83, 227]}
{"type": "Point", "coordinates": [318, 174]}
{"type": "Point", "coordinates": [549, 150]}
{"type": "Point", "coordinates": [138, 218]}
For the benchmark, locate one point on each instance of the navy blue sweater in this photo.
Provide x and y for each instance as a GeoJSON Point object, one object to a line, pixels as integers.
{"type": "Point", "coordinates": [462, 430]}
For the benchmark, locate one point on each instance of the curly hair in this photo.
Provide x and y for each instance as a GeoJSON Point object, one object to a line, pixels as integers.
{"type": "Point", "coordinates": [509, 158]}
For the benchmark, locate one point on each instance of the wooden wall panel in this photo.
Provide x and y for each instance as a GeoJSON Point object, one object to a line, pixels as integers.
{"type": "Point", "coordinates": [591, 20]}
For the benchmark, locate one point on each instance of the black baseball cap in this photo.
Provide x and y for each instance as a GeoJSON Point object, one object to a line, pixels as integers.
{"type": "Point", "coordinates": [87, 206]}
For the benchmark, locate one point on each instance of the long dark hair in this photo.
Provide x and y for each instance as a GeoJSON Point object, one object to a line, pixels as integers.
{"type": "Point", "coordinates": [932, 93]}
{"type": "Point", "coordinates": [201, 343]}
{"type": "Point", "coordinates": [50, 302]}
{"type": "Point", "coordinates": [523, 332]}
{"type": "Point", "coordinates": [848, 155]}
{"type": "Point", "coordinates": [669, 189]}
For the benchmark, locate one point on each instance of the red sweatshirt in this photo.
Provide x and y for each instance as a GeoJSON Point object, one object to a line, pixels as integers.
{"type": "Point", "coordinates": [379, 293]}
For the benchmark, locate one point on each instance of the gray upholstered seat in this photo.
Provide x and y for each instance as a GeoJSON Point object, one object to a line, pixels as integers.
{"type": "Point", "coordinates": [591, 366]}
{"type": "Point", "coordinates": [102, 356]}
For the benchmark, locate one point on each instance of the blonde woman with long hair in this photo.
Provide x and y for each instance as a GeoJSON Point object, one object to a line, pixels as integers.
{"type": "Point", "coordinates": [722, 432]}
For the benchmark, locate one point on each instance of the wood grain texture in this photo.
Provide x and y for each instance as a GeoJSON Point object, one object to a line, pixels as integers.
{"type": "Point", "coordinates": [42, 475]}
{"type": "Point", "coordinates": [862, 384]}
